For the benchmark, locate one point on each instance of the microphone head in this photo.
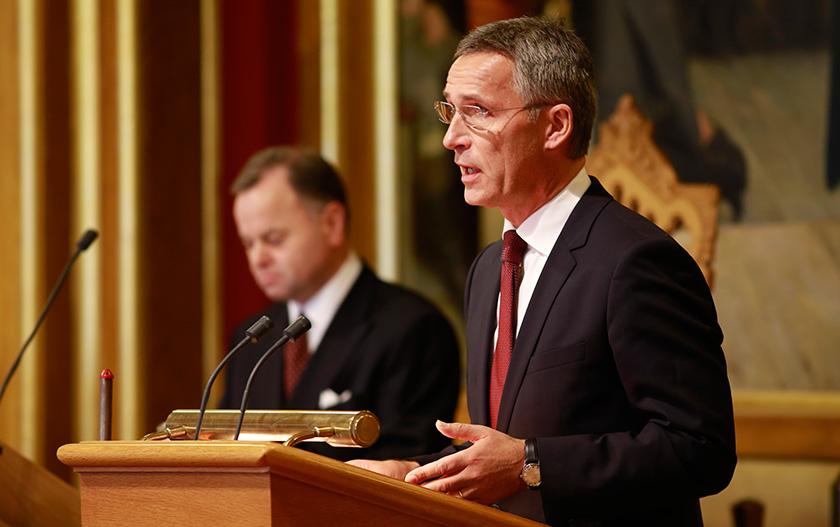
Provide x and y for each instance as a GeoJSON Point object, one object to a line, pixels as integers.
{"type": "Point", "coordinates": [259, 328]}
{"type": "Point", "coordinates": [297, 328]}
{"type": "Point", "coordinates": [86, 239]}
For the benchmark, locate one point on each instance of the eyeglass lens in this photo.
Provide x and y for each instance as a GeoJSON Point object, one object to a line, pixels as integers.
{"type": "Point", "coordinates": [445, 111]}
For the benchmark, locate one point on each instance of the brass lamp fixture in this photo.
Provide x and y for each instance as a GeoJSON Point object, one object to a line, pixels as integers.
{"type": "Point", "coordinates": [339, 429]}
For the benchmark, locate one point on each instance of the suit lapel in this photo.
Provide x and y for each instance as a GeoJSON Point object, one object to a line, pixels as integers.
{"type": "Point", "coordinates": [481, 324]}
{"type": "Point", "coordinates": [340, 342]}
{"type": "Point", "coordinates": [557, 269]}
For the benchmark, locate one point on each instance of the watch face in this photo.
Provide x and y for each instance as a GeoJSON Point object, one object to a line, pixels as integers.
{"type": "Point", "coordinates": [531, 474]}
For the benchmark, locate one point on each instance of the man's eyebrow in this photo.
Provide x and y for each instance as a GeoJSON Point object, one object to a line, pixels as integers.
{"type": "Point", "coordinates": [472, 96]}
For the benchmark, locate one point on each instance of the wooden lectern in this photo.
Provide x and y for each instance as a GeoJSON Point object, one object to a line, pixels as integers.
{"type": "Point", "coordinates": [245, 483]}
{"type": "Point", "coordinates": [32, 496]}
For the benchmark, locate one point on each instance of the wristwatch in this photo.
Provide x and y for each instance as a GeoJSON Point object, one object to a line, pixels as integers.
{"type": "Point", "coordinates": [531, 470]}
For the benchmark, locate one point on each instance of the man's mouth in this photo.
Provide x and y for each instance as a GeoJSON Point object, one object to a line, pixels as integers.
{"type": "Point", "coordinates": [267, 280]}
{"type": "Point", "coordinates": [468, 171]}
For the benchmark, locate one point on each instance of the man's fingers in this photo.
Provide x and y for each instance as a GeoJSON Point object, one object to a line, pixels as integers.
{"type": "Point", "coordinates": [446, 485]}
{"type": "Point", "coordinates": [462, 431]}
{"type": "Point", "coordinates": [391, 468]}
{"type": "Point", "coordinates": [361, 463]}
{"type": "Point", "coordinates": [440, 468]}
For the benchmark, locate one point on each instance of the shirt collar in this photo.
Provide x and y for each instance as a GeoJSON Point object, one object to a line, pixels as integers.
{"type": "Point", "coordinates": [541, 229]}
{"type": "Point", "coordinates": [321, 308]}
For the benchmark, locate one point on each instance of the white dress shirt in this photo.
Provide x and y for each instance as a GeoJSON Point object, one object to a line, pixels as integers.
{"type": "Point", "coordinates": [540, 231]}
{"type": "Point", "coordinates": [321, 308]}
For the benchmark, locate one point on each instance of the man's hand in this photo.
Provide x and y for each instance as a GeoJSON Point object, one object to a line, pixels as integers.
{"type": "Point", "coordinates": [485, 472]}
{"type": "Point", "coordinates": [394, 468]}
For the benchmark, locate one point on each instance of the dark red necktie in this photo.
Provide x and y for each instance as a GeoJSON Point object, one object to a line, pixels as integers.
{"type": "Point", "coordinates": [295, 357]}
{"type": "Point", "coordinates": [513, 249]}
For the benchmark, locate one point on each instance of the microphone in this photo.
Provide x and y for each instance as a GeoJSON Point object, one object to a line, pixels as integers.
{"type": "Point", "coordinates": [292, 332]}
{"type": "Point", "coordinates": [252, 334]}
{"type": "Point", "coordinates": [84, 242]}
{"type": "Point", "coordinates": [86, 239]}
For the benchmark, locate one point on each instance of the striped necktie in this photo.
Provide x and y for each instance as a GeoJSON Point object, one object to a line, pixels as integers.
{"type": "Point", "coordinates": [295, 358]}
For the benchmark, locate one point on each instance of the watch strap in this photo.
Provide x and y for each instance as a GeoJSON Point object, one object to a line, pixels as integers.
{"type": "Point", "coordinates": [531, 454]}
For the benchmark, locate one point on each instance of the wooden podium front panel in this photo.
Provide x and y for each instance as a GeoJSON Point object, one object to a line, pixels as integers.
{"type": "Point", "coordinates": [299, 504]}
{"type": "Point", "coordinates": [158, 498]}
{"type": "Point", "coordinates": [253, 483]}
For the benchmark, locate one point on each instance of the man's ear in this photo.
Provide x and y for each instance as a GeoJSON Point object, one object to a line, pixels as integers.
{"type": "Point", "coordinates": [334, 223]}
{"type": "Point", "coordinates": [561, 123]}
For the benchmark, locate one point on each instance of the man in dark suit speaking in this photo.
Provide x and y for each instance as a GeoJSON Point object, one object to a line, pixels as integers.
{"type": "Point", "coordinates": [372, 346]}
{"type": "Point", "coordinates": [596, 381]}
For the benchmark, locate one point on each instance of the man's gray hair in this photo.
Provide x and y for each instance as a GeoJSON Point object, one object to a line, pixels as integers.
{"type": "Point", "coordinates": [551, 65]}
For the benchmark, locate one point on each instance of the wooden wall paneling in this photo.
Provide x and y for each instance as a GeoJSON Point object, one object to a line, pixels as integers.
{"type": "Point", "coordinates": [390, 186]}
{"type": "Point", "coordinates": [129, 387]}
{"type": "Point", "coordinates": [356, 124]}
{"type": "Point", "coordinates": [10, 306]}
{"type": "Point", "coordinates": [85, 143]}
{"type": "Point", "coordinates": [309, 79]}
{"type": "Point", "coordinates": [35, 152]}
{"type": "Point", "coordinates": [109, 232]}
{"type": "Point", "coordinates": [213, 338]}
{"type": "Point", "coordinates": [329, 46]}
{"type": "Point", "coordinates": [169, 200]}
{"type": "Point", "coordinates": [31, 251]}
{"type": "Point", "coordinates": [55, 401]}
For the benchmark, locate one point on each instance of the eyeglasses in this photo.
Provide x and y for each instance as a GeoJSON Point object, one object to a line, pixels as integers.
{"type": "Point", "coordinates": [474, 116]}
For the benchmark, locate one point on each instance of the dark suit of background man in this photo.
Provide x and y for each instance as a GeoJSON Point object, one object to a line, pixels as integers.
{"type": "Point", "coordinates": [617, 381]}
{"type": "Point", "coordinates": [373, 346]}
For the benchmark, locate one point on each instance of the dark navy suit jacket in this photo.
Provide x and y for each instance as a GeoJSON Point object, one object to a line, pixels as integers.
{"type": "Point", "coordinates": [617, 370]}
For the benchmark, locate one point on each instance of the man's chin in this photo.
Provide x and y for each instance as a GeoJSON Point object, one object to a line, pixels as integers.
{"type": "Point", "coordinates": [477, 199]}
{"type": "Point", "coordinates": [275, 295]}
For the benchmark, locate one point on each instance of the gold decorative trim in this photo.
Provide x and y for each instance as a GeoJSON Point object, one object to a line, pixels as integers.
{"type": "Point", "coordinates": [210, 217]}
{"type": "Point", "coordinates": [85, 42]}
{"type": "Point", "coordinates": [330, 75]}
{"type": "Point", "coordinates": [31, 430]}
{"type": "Point", "coordinates": [631, 167]}
{"type": "Point", "coordinates": [130, 385]}
{"type": "Point", "coordinates": [385, 45]}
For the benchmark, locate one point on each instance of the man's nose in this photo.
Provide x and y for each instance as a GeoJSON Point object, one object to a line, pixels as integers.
{"type": "Point", "coordinates": [260, 256]}
{"type": "Point", "coordinates": [457, 134]}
